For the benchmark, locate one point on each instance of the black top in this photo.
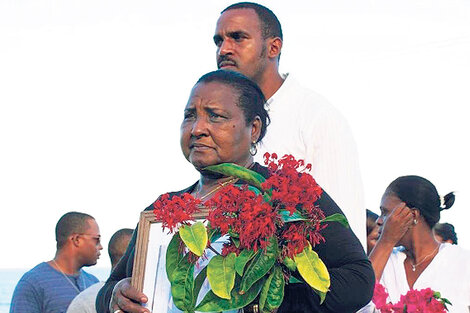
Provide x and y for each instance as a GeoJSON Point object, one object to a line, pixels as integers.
{"type": "Point", "coordinates": [352, 276]}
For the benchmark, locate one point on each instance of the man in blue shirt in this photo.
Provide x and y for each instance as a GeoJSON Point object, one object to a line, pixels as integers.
{"type": "Point", "coordinates": [51, 286]}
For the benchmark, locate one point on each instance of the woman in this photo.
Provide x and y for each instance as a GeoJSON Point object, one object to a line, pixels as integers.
{"type": "Point", "coordinates": [410, 208]}
{"type": "Point", "coordinates": [372, 230]}
{"type": "Point", "coordinates": [223, 121]}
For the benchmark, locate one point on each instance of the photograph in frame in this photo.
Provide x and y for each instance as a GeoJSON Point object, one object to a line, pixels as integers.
{"type": "Point", "coordinates": [149, 272]}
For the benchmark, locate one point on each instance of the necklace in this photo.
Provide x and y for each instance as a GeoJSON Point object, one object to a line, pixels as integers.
{"type": "Point", "coordinates": [68, 279]}
{"type": "Point", "coordinates": [414, 266]}
{"type": "Point", "coordinates": [219, 185]}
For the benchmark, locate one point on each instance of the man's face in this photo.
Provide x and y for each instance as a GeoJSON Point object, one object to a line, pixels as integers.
{"type": "Point", "coordinates": [240, 43]}
{"type": "Point", "coordinates": [90, 244]}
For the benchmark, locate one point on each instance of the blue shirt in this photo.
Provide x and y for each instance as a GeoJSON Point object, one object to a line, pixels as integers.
{"type": "Point", "coordinates": [46, 290]}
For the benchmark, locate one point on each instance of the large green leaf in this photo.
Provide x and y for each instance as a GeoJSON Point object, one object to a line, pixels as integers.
{"type": "Point", "coordinates": [221, 274]}
{"type": "Point", "coordinates": [272, 294]}
{"type": "Point", "coordinates": [200, 278]}
{"type": "Point", "coordinates": [337, 217]}
{"type": "Point", "coordinates": [212, 303]}
{"type": "Point", "coordinates": [312, 269]}
{"type": "Point", "coordinates": [242, 259]}
{"type": "Point", "coordinates": [182, 286]}
{"type": "Point", "coordinates": [173, 256]}
{"type": "Point", "coordinates": [260, 265]}
{"type": "Point", "coordinates": [287, 217]}
{"type": "Point", "coordinates": [194, 237]}
{"type": "Point", "coordinates": [230, 169]}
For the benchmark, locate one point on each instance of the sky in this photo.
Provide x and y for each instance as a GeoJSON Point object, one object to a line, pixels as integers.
{"type": "Point", "coordinates": [92, 95]}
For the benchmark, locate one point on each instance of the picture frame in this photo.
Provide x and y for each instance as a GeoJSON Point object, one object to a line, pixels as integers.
{"type": "Point", "coordinates": [149, 270]}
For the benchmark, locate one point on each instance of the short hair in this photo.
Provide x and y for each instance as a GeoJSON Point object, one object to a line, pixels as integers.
{"type": "Point", "coordinates": [371, 221]}
{"type": "Point", "coordinates": [118, 244]}
{"type": "Point", "coordinates": [446, 231]}
{"type": "Point", "coordinates": [251, 99]}
{"type": "Point", "coordinates": [71, 223]}
{"type": "Point", "coordinates": [270, 25]}
{"type": "Point", "coordinates": [420, 194]}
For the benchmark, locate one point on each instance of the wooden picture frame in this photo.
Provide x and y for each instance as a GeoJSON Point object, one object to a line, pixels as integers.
{"type": "Point", "coordinates": [149, 272]}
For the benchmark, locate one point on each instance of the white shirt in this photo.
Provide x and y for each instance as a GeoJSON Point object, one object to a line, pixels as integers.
{"type": "Point", "coordinates": [305, 125]}
{"type": "Point", "coordinates": [85, 301]}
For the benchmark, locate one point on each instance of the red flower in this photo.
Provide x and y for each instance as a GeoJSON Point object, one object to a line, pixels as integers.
{"type": "Point", "coordinates": [237, 210]}
{"type": "Point", "coordinates": [414, 301]}
{"type": "Point", "coordinates": [292, 188]}
{"type": "Point", "coordinates": [175, 211]}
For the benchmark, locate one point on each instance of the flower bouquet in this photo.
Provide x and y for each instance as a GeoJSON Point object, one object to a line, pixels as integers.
{"type": "Point", "coordinates": [270, 226]}
{"type": "Point", "coordinates": [424, 300]}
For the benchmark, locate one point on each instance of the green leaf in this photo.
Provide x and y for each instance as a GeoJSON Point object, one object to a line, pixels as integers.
{"type": "Point", "coordinates": [255, 190]}
{"type": "Point", "coordinates": [236, 241]}
{"type": "Point", "coordinates": [214, 234]}
{"type": "Point", "coordinates": [294, 280]}
{"type": "Point", "coordinates": [173, 256]}
{"type": "Point", "coordinates": [337, 217]}
{"type": "Point", "coordinates": [195, 237]}
{"type": "Point", "coordinates": [290, 264]}
{"type": "Point", "coordinates": [273, 291]}
{"type": "Point", "coordinates": [230, 169]}
{"type": "Point", "coordinates": [312, 269]}
{"type": "Point", "coordinates": [242, 259]}
{"type": "Point", "coordinates": [200, 278]}
{"type": "Point", "coordinates": [321, 294]}
{"type": "Point", "coordinates": [212, 303]}
{"type": "Point", "coordinates": [287, 217]}
{"type": "Point", "coordinates": [221, 275]}
{"type": "Point", "coordinates": [260, 265]}
{"type": "Point", "coordinates": [182, 286]}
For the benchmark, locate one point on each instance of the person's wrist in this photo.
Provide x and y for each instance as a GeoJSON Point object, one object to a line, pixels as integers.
{"type": "Point", "coordinates": [386, 243]}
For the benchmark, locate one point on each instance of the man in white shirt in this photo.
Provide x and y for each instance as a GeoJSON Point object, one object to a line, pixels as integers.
{"type": "Point", "coordinates": [85, 301]}
{"type": "Point", "coordinates": [248, 37]}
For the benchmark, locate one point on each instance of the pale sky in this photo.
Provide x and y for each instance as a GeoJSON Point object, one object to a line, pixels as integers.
{"type": "Point", "coordinates": [92, 95]}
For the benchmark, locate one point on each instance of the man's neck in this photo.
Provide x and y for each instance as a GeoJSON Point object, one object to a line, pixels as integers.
{"type": "Point", "coordinates": [65, 264]}
{"type": "Point", "coordinates": [270, 82]}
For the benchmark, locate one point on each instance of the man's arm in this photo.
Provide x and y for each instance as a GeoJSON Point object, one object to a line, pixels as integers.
{"type": "Point", "coordinates": [335, 165]}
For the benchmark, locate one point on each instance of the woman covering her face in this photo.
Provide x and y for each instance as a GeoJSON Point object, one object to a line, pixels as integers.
{"type": "Point", "coordinates": [407, 256]}
{"type": "Point", "coordinates": [223, 121]}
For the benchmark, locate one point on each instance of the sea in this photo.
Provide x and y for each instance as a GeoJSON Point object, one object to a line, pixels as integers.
{"type": "Point", "coordinates": [9, 278]}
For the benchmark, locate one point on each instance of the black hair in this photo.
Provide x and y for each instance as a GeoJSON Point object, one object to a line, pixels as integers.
{"type": "Point", "coordinates": [446, 231]}
{"type": "Point", "coordinates": [371, 221]}
{"type": "Point", "coordinates": [270, 25]}
{"type": "Point", "coordinates": [419, 193]}
{"type": "Point", "coordinates": [71, 223]}
{"type": "Point", "coordinates": [251, 99]}
{"type": "Point", "coordinates": [118, 243]}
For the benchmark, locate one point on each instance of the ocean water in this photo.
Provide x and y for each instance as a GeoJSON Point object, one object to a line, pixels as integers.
{"type": "Point", "coordinates": [9, 278]}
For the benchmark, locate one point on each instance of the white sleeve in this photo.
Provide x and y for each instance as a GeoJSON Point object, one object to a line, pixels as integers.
{"type": "Point", "coordinates": [332, 148]}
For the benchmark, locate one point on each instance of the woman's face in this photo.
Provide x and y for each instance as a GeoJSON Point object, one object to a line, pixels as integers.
{"type": "Point", "coordinates": [214, 129]}
{"type": "Point", "coordinates": [387, 205]}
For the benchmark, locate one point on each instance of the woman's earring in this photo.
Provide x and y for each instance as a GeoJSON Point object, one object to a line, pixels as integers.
{"type": "Point", "coordinates": [253, 149]}
{"type": "Point", "coordinates": [415, 221]}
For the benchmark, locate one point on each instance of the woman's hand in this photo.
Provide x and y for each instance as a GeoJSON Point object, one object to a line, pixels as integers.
{"type": "Point", "coordinates": [396, 224]}
{"type": "Point", "coordinates": [125, 296]}
{"type": "Point", "coordinates": [392, 228]}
